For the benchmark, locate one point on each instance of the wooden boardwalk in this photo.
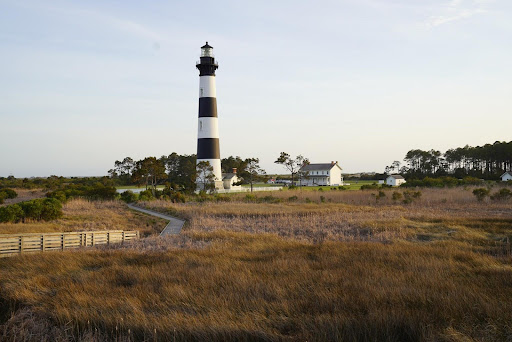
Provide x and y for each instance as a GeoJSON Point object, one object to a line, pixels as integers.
{"type": "Point", "coordinates": [173, 227]}
{"type": "Point", "coordinates": [14, 244]}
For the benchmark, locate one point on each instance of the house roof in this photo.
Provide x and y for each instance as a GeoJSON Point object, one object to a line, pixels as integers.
{"type": "Point", "coordinates": [506, 173]}
{"type": "Point", "coordinates": [228, 175]}
{"type": "Point", "coordinates": [396, 176]}
{"type": "Point", "coordinates": [319, 167]}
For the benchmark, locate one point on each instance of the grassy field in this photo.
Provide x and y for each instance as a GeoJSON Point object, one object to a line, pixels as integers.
{"type": "Point", "coordinates": [352, 185]}
{"type": "Point", "coordinates": [83, 215]}
{"type": "Point", "coordinates": [287, 265]}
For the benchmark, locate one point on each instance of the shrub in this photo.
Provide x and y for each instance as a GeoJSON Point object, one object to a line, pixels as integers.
{"type": "Point", "coordinates": [146, 195]}
{"type": "Point", "coordinates": [251, 198]}
{"type": "Point", "coordinates": [11, 213]}
{"type": "Point", "coordinates": [177, 197]}
{"type": "Point", "coordinates": [410, 196]}
{"type": "Point", "coordinates": [502, 195]}
{"type": "Point", "coordinates": [52, 209]}
{"type": "Point", "coordinates": [128, 196]}
{"type": "Point", "coordinates": [481, 193]}
{"type": "Point", "coordinates": [380, 195]}
{"type": "Point", "coordinates": [293, 198]}
{"type": "Point", "coordinates": [222, 198]}
{"type": "Point", "coordinates": [369, 186]}
{"type": "Point", "coordinates": [341, 187]}
{"type": "Point", "coordinates": [320, 189]}
{"type": "Point", "coordinates": [3, 196]}
{"type": "Point", "coordinates": [10, 193]}
{"type": "Point", "coordinates": [322, 199]}
{"type": "Point", "coordinates": [270, 199]}
{"type": "Point", "coordinates": [396, 196]}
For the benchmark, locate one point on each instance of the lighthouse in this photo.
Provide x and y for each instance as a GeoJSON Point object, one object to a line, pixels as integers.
{"type": "Point", "coordinates": [208, 129]}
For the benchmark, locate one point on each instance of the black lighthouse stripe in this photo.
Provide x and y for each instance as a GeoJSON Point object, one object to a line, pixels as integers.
{"type": "Point", "coordinates": [207, 107]}
{"type": "Point", "coordinates": [208, 148]}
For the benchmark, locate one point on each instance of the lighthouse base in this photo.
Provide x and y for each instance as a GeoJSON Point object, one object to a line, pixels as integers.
{"type": "Point", "coordinates": [217, 185]}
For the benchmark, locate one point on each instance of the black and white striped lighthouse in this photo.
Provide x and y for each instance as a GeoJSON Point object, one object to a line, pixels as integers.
{"type": "Point", "coordinates": [208, 130]}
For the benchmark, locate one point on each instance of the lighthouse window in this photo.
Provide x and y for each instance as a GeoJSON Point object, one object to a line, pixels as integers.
{"type": "Point", "coordinates": [200, 125]}
{"type": "Point", "coordinates": [201, 92]}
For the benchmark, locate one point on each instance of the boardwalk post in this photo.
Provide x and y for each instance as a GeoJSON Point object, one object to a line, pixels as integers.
{"type": "Point", "coordinates": [108, 238]}
{"type": "Point", "coordinates": [43, 247]}
{"type": "Point", "coordinates": [21, 244]}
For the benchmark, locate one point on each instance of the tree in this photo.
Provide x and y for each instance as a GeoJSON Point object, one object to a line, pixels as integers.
{"type": "Point", "coordinates": [205, 176]}
{"type": "Point", "coordinates": [253, 170]}
{"type": "Point", "coordinates": [122, 170]}
{"type": "Point", "coordinates": [181, 171]}
{"type": "Point", "coordinates": [303, 174]}
{"type": "Point", "coordinates": [292, 165]}
{"type": "Point", "coordinates": [149, 171]}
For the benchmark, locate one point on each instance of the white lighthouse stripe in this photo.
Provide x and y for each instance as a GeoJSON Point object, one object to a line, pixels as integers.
{"type": "Point", "coordinates": [208, 128]}
{"type": "Point", "coordinates": [207, 86]}
{"type": "Point", "coordinates": [215, 163]}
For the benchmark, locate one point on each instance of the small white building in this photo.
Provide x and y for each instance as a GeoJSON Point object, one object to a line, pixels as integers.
{"type": "Point", "coordinates": [322, 174]}
{"type": "Point", "coordinates": [395, 180]}
{"type": "Point", "coordinates": [229, 179]}
{"type": "Point", "coordinates": [507, 176]}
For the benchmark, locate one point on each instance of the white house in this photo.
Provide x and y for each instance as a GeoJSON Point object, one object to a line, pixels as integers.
{"type": "Point", "coordinates": [229, 179]}
{"type": "Point", "coordinates": [507, 176]}
{"type": "Point", "coordinates": [322, 174]}
{"type": "Point", "coordinates": [395, 180]}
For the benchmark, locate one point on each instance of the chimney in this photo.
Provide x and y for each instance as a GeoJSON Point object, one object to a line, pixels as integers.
{"type": "Point", "coordinates": [234, 170]}
{"type": "Point", "coordinates": [332, 162]}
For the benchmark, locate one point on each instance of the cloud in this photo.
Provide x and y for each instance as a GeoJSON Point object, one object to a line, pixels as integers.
{"type": "Point", "coordinates": [456, 10]}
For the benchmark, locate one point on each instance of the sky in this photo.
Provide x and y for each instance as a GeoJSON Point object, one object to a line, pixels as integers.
{"type": "Point", "coordinates": [85, 83]}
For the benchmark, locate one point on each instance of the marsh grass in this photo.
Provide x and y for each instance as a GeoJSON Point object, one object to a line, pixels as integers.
{"type": "Point", "coordinates": [349, 269]}
{"type": "Point", "coordinates": [260, 287]}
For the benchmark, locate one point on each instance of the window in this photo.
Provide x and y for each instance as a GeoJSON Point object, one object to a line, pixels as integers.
{"type": "Point", "coordinates": [201, 92]}
{"type": "Point", "coordinates": [200, 125]}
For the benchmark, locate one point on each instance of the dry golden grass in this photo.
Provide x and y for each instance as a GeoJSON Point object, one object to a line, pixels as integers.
{"type": "Point", "coordinates": [84, 215]}
{"type": "Point", "coordinates": [260, 287]}
{"type": "Point", "coordinates": [351, 269]}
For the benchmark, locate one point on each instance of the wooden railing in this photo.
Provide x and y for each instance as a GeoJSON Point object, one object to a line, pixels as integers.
{"type": "Point", "coordinates": [13, 244]}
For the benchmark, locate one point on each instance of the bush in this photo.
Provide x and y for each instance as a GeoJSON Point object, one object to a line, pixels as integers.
{"type": "Point", "coordinates": [146, 195]}
{"type": "Point", "coordinates": [222, 198]}
{"type": "Point", "coordinates": [481, 193]}
{"type": "Point", "coordinates": [52, 209]}
{"type": "Point", "coordinates": [292, 199]}
{"type": "Point", "coordinates": [502, 195]}
{"type": "Point", "coordinates": [251, 198]}
{"type": "Point", "coordinates": [10, 194]}
{"type": "Point", "coordinates": [177, 197]}
{"type": "Point", "coordinates": [11, 213]}
{"type": "Point", "coordinates": [3, 196]}
{"type": "Point", "coordinates": [396, 196]}
{"type": "Point", "coordinates": [341, 187]}
{"type": "Point", "coordinates": [322, 199]}
{"type": "Point", "coordinates": [373, 186]}
{"type": "Point", "coordinates": [128, 196]}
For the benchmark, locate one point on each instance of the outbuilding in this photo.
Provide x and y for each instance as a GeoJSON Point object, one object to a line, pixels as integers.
{"type": "Point", "coordinates": [395, 180]}
{"type": "Point", "coordinates": [230, 179]}
{"type": "Point", "coordinates": [507, 176]}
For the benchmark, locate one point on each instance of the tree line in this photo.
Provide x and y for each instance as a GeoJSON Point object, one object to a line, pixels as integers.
{"type": "Point", "coordinates": [489, 161]}
{"type": "Point", "coordinates": [178, 171]}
